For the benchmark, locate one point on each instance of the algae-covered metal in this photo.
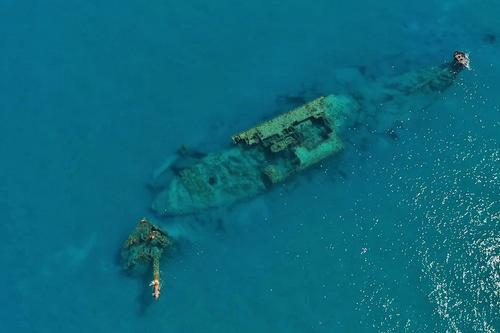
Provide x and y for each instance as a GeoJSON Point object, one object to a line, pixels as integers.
{"type": "Point", "coordinates": [146, 245]}
{"type": "Point", "coordinates": [279, 148]}
{"type": "Point", "coordinates": [263, 155]}
{"type": "Point", "coordinates": [296, 139]}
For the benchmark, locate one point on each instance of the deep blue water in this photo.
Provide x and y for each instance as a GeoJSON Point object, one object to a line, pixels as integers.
{"type": "Point", "coordinates": [403, 236]}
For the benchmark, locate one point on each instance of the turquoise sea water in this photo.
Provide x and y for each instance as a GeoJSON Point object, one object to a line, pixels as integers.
{"type": "Point", "coordinates": [400, 236]}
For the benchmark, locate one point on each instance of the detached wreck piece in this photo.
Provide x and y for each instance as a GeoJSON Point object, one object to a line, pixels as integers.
{"type": "Point", "coordinates": [145, 245]}
{"type": "Point", "coordinates": [281, 147]}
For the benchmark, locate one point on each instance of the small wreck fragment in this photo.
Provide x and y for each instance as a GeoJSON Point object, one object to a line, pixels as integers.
{"type": "Point", "coordinates": [281, 147]}
{"type": "Point", "coordinates": [145, 245]}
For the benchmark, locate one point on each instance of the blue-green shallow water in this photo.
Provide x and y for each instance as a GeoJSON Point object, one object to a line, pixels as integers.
{"type": "Point", "coordinates": [402, 236]}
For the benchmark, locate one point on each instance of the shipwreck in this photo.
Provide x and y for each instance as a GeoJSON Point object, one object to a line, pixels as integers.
{"type": "Point", "coordinates": [278, 149]}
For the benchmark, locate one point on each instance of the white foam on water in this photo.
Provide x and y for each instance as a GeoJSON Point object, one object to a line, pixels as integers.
{"type": "Point", "coordinates": [460, 240]}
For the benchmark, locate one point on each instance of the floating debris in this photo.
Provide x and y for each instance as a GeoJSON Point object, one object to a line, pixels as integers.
{"type": "Point", "coordinates": [146, 245]}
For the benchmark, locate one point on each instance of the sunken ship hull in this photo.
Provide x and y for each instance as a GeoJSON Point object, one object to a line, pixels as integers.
{"type": "Point", "coordinates": [277, 149]}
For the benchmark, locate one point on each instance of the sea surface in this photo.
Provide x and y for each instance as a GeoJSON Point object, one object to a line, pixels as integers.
{"type": "Point", "coordinates": [400, 236]}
